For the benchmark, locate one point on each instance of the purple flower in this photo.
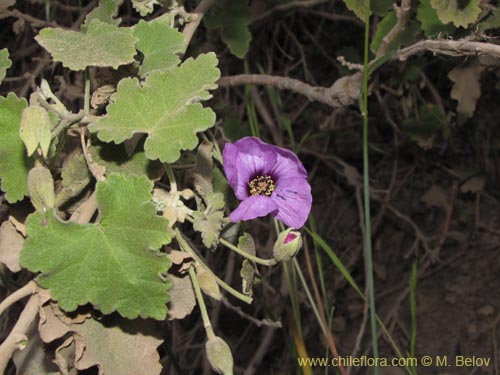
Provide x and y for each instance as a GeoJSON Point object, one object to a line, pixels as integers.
{"type": "Point", "coordinates": [268, 180]}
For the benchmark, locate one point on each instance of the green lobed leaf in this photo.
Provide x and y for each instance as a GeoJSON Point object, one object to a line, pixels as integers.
{"type": "Point", "coordinates": [457, 12]}
{"type": "Point", "coordinates": [14, 163]}
{"type": "Point", "coordinates": [165, 106]}
{"type": "Point", "coordinates": [5, 63]}
{"type": "Point", "coordinates": [357, 7]}
{"type": "Point", "coordinates": [114, 264]}
{"type": "Point", "coordinates": [430, 22]}
{"type": "Point", "coordinates": [232, 18]}
{"type": "Point", "coordinates": [210, 221]}
{"type": "Point", "coordinates": [101, 45]}
{"type": "Point", "coordinates": [105, 12]}
{"type": "Point", "coordinates": [159, 43]}
{"type": "Point", "coordinates": [381, 7]}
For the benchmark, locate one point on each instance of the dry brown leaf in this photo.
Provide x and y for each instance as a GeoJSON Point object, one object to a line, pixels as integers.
{"type": "Point", "coordinates": [126, 349]}
{"type": "Point", "coordinates": [182, 298]}
{"type": "Point", "coordinates": [473, 185]}
{"type": "Point", "coordinates": [65, 357]}
{"type": "Point", "coordinates": [181, 259]}
{"type": "Point", "coordinates": [467, 88]}
{"type": "Point", "coordinates": [436, 196]}
{"type": "Point", "coordinates": [11, 243]}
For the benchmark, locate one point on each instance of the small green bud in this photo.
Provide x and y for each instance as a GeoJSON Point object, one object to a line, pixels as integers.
{"type": "Point", "coordinates": [41, 188]}
{"type": "Point", "coordinates": [35, 129]}
{"type": "Point", "coordinates": [287, 245]}
{"type": "Point", "coordinates": [219, 355]}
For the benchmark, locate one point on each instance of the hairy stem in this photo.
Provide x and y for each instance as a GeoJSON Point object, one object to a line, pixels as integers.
{"type": "Point", "coordinates": [18, 295]}
{"type": "Point", "coordinates": [264, 262]}
{"type": "Point", "coordinates": [201, 303]}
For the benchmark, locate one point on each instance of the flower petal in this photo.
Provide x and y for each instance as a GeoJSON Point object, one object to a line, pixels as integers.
{"type": "Point", "coordinates": [252, 207]}
{"type": "Point", "coordinates": [243, 160]}
{"type": "Point", "coordinates": [287, 165]}
{"type": "Point", "coordinates": [294, 200]}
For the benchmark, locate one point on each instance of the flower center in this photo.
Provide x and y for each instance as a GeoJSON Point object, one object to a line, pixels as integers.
{"type": "Point", "coordinates": [261, 185]}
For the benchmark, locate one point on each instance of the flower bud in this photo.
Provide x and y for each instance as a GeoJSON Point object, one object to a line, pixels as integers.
{"type": "Point", "coordinates": [287, 245]}
{"type": "Point", "coordinates": [219, 355]}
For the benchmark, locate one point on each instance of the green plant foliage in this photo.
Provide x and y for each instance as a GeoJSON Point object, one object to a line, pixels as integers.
{"type": "Point", "coordinates": [101, 45]}
{"type": "Point", "coordinates": [75, 177]}
{"type": "Point", "coordinates": [14, 163]}
{"type": "Point", "coordinates": [115, 159]}
{"type": "Point", "coordinates": [159, 43]}
{"type": "Point", "coordinates": [35, 129]}
{"type": "Point", "coordinates": [232, 18]}
{"type": "Point", "coordinates": [405, 37]}
{"type": "Point", "coordinates": [165, 107]}
{"type": "Point", "coordinates": [41, 188]}
{"type": "Point", "coordinates": [105, 12]}
{"type": "Point", "coordinates": [357, 7]}
{"type": "Point", "coordinates": [144, 7]}
{"type": "Point", "coordinates": [381, 7]}
{"type": "Point", "coordinates": [112, 264]}
{"type": "Point", "coordinates": [492, 22]}
{"type": "Point", "coordinates": [430, 22]}
{"type": "Point", "coordinates": [456, 12]}
{"type": "Point", "coordinates": [424, 127]}
{"type": "Point", "coordinates": [5, 63]}
{"type": "Point", "coordinates": [210, 221]}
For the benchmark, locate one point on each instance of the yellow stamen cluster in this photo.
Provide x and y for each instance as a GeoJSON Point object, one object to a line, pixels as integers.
{"type": "Point", "coordinates": [261, 185]}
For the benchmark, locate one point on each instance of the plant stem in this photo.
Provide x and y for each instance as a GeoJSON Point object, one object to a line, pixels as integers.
{"type": "Point", "coordinates": [86, 98]}
{"type": "Point", "coordinates": [187, 248]}
{"type": "Point", "coordinates": [201, 303]}
{"type": "Point", "coordinates": [19, 294]}
{"type": "Point", "coordinates": [368, 240]}
{"type": "Point", "coordinates": [171, 177]}
{"type": "Point", "coordinates": [265, 262]}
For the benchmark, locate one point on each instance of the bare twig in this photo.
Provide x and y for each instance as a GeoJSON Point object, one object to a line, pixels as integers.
{"type": "Point", "coordinates": [287, 6]}
{"type": "Point", "coordinates": [198, 14]}
{"type": "Point", "coordinates": [18, 295]}
{"type": "Point", "coordinates": [18, 333]}
{"type": "Point", "coordinates": [402, 13]}
{"type": "Point", "coordinates": [343, 92]}
{"type": "Point", "coordinates": [462, 47]}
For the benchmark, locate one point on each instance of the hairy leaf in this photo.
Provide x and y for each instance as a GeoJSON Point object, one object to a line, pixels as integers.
{"type": "Point", "coordinates": [165, 107]}
{"type": "Point", "coordinates": [232, 18]}
{"type": "Point", "coordinates": [101, 45]}
{"type": "Point", "coordinates": [159, 43]}
{"type": "Point", "coordinates": [182, 298]}
{"type": "Point", "coordinates": [105, 12]}
{"type": "Point", "coordinates": [35, 129]}
{"type": "Point", "coordinates": [455, 11]}
{"type": "Point", "coordinates": [14, 163]}
{"type": "Point", "coordinates": [431, 24]}
{"type": "Point", "coordinates": [112, 264]}
{"type": "Point", "coordinates": [127, 348]}
{"type": "Point", "coordinates": [144, 7]}
{"type": "Point", "coordinates": [5, 63]}
{"type": "Point", "coordinates": [75, 177]}
{"type": "Point", "coordinates": [210, 221]}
